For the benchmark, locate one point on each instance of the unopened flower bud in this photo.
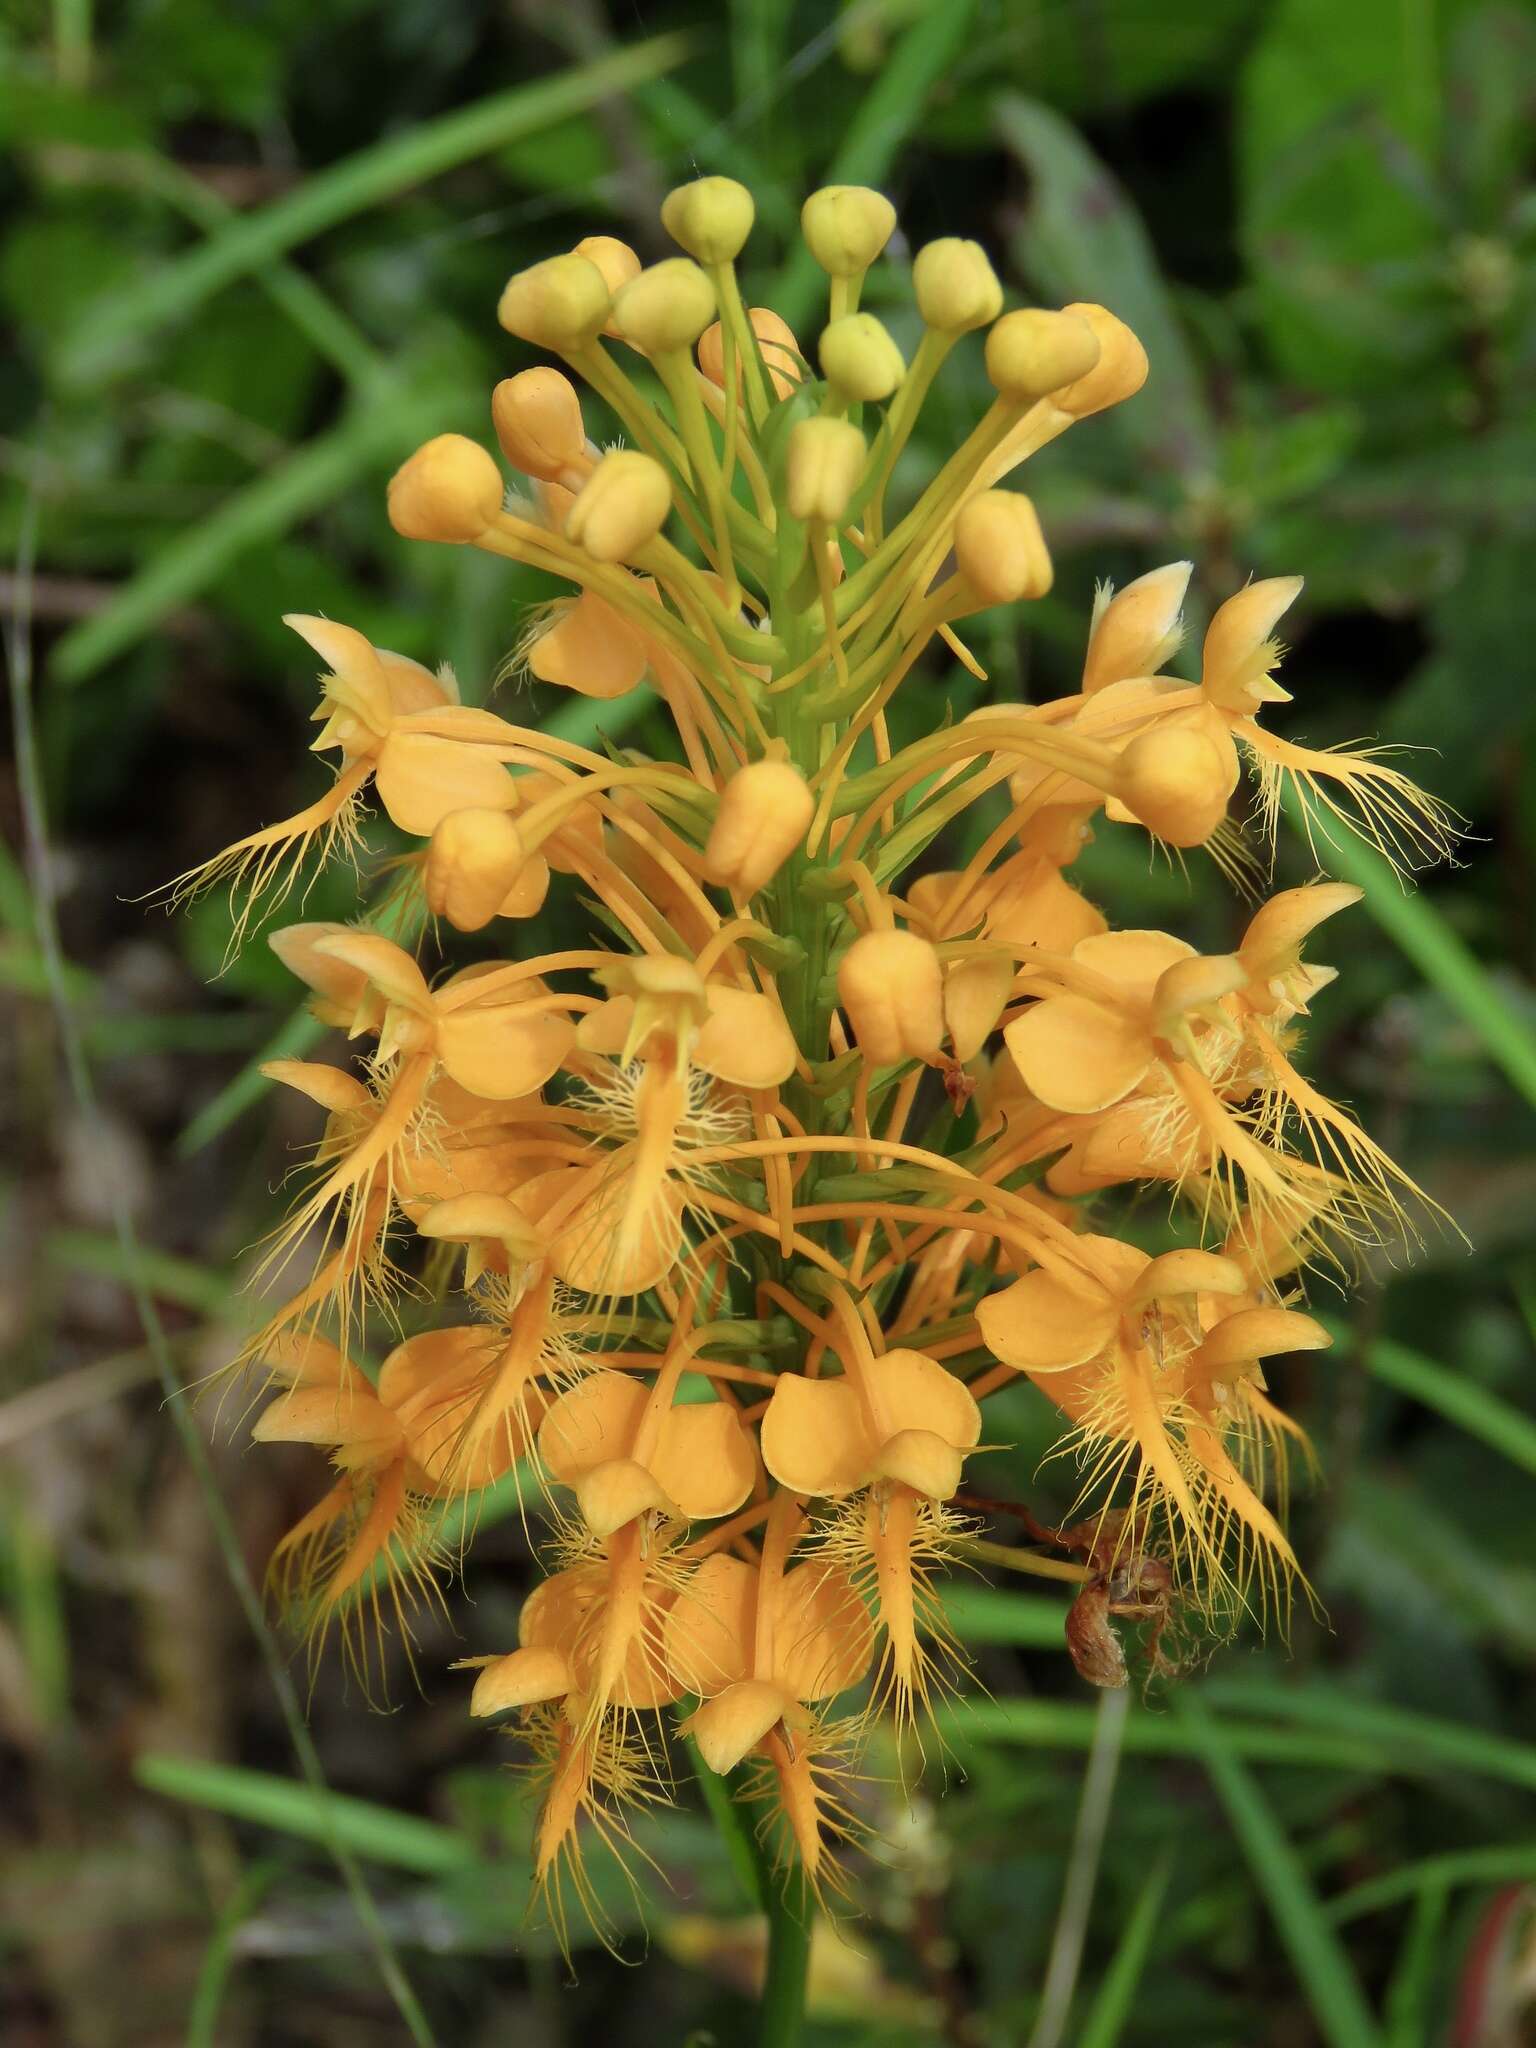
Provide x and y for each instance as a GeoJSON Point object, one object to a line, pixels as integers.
{"type": "Point", "coordinates": [666, 307]}
{"type": "Point", "coordinates": [860, 360]}
{"type": "Point", "coordinates": [765, 812]}
{"type": "Point", "coordinates": [1120, 371]}
{"type": "Point", "coordinates": [824, 464]}
{"type": "Point", "coordinates": [999, 548]}
{"type": "Point", "coordinates": [955, 286]}
{"type": "Point", "coordinates": [472, 862]}
{"type": "Point", "coordinates": [559, 304]}
{"type": "Point", "coordinates": [776, 343]}
{"type": "Point", "coordinates": [1032, 353]}
{"type": "Point", "coordinates": [621, 507]}
{"type": "Point", "coordinates": [892, 987]}
{"type": "Point", "coordinates": [710, 218]}
{"type": "Point", "coordinates": [1176, 782]}
{"type": "Point", "coordinates": [1239, 648]}
{"type": "Point", "coordinates": [846, 227]}
{"type": "Point", "coordinates": [450, 490]}
{"type": "Point", "coordinates": [1135, 630]}
{"type": "Point", "coordinates": [617, 262]}
{"type": "Point", "coordinates": [537, 416]}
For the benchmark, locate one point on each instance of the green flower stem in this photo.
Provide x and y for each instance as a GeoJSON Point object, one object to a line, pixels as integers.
{"type": "Point", "coordinates": [781, 1894]}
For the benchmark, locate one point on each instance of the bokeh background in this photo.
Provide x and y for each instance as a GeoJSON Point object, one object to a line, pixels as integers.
{"type": "Point", "coordinates": [249, 256]}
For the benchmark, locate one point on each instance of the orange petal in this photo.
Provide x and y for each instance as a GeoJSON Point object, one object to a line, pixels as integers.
{"type": "Point", "coordinates": [922, 1461]}
{"type": "Point", "coordinates": [710, 1628]}
{"type": "Point", "coordinates": [1133, 960]}
{"type": "Point", "coordinates": [388, 966]}
{"type": "Point", "coordinates": [703, 1459]}
{"type": "Point", "coordinates": [590, 648]}
{"type": "Point", "coordinates": [822, 1635]}
{"type": "Point", "coordinates": [1039, 1323]}
{"type": "Point", "coordinates": [1077, 1055]}
{"type": "Point", "coordinates": [525, 1678]}
{"type": "Point", "coordinates": [421, 778]}
{"type": "Point", "coordinates": [613, 1493]}
{"type": "Point", "coordinates": [591, 1424]}
{"type": "Point", "coordinates": [502, 1053]}
{"type": "Point", "coordinates": [815, 1436]}
{"type": "Point", "coordinates": [731, 1725]}
{"type": "Point", "coordinates": [745, 1040]}
{"type": "Point", "coordinates": [912, 1391]}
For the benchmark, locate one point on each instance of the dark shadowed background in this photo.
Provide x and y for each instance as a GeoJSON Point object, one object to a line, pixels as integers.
{"type": "Point", "coordinates": [249, 257]}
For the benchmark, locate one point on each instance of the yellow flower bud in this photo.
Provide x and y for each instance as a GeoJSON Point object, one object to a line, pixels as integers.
{"type": "Point", "coordinates": [776, 343]}
{"type": "Point", "coordinates": [765, 812]}
{"type": "Point", "coordinates": [824, 465]}
{"type": "Point", "coordinates": [621, 507]}
{"type": "Point", "coordinates": [1176, 782]}
{"type": "Point", "coordinates": [1120, 371]}
{"type": "Point", "coordinates": [710, 218]}
{"type": "Point", "coordinates": [1135, 630]}
{"type": "Point", "coordinates": [473, 861]}
{"type": "Point", "coordinates": [1033, 352]}
{"type": "Point", "coordinates": [999, 548]}
{"type": "Point", "coordinates": [450, 489]}
{"type": "Point", "coordinates": [892, 987]}
{"type": "Point", "coordinates": [537, 416]}
{"type": "Point", "coordinates": [559, 304]}
{"type": "Point", "coordinates": [846, 227]}
{"type": "Point", "coordinates": [615, 259]}
{"type": "Point", "coordinates": [956, 286]}
{"type": "Point", "coordinates": [860, 360]}
{"type": "Point", "coordinates": [666, 307]}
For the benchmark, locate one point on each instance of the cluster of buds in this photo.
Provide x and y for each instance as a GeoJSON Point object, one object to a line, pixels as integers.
{"type": "Point", "coordinates": [740, 1206]}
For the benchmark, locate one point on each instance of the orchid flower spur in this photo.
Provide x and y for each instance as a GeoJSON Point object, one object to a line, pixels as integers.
{"type": "Point", "coordinates": [722, 1219]}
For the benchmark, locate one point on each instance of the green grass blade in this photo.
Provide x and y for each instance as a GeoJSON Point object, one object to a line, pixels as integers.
{"type": "Point", "coordinates": [168, 1278]}
{"type": "Point", "coordinates": [886, 116]}
{"type": "Point", "coordinates": [361, 181]}
{"type": "Point", "coordinates": [1344, 2020]}
{"type": "Point", "coordinates": [307, 480]}
{"type": "Point", "coordinates": [219, 1956]}
{"type": "Point", "coordinates": [990, 1614]}
{"type": "Point", "coordinates": [1408, 1993]}
{"type": "Point", "coordinates": [402, 1840]}
{"type": "Point", "coordinates": [1404, 1741]}
{"type": "Point", "coordinates": [1116, 1994]}
{"type": "Point", "coordinates": [1501, 1865]}
{"type": "Point", "coordinates": [1066, 1724]}
{"type": "Point", "coordinates": [1471, 1407]}
{"type": "Point", "coordinates": [298, 1034]}
{"type": "Point", "coordinates": [1422, 935]}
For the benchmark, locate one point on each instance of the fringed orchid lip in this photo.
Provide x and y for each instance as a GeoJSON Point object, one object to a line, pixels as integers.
{"type": "Point", "coordinates": [795, 1099]}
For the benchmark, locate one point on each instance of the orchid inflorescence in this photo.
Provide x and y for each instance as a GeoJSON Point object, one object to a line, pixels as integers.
{"type": "Point", "coordinates": [752, 1197]}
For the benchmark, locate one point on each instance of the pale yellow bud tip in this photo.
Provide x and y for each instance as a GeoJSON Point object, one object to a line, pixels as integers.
{"type": "Point", "coordinates": [621, 507]}
{"type": "Point", "coordinates": [666, 307]}
{"type": "Point", "coordinates": [537, 416]}
{"type": "Point", "coordinates": [617, 262]}
{"type": "Point", "coordinates": [711, 218]}
{"type": "Point", "coordinates": [776, 343]}
{"type": "Point", "coordinates": [955, 286]}
{"type": "Point", "coordinates": [846, 227]}
{"type": "Point", "coordinates": [1000, 550]}
{"type": "Point", "coordinates": [559, 304]}
{"type": "Point", "coordinates": [823, 468]}
{"type": "Point", "coordinates": [448, 490]}
{"type": "Point", "coordinates": [892, 987]}
{"type": "Point", "coordinates": [1119, 373]}
{"type": "Point", "coordinates": [765, 812]}
{"type": "Point", "coordinates": [1033, 353]}
{"type": "Point", "coordinates": [859, 359]}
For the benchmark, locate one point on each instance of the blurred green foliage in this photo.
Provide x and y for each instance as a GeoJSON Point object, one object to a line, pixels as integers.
{"type": "Point", "coordinates": [249, 256]}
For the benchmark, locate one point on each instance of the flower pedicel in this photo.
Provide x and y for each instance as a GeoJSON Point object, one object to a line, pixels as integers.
{"type": "Point", "coordinates": [740, 1209]}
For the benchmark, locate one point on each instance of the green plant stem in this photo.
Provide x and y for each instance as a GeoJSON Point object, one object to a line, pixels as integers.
{"type": "Point", "coordinates": [781, 2014]}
